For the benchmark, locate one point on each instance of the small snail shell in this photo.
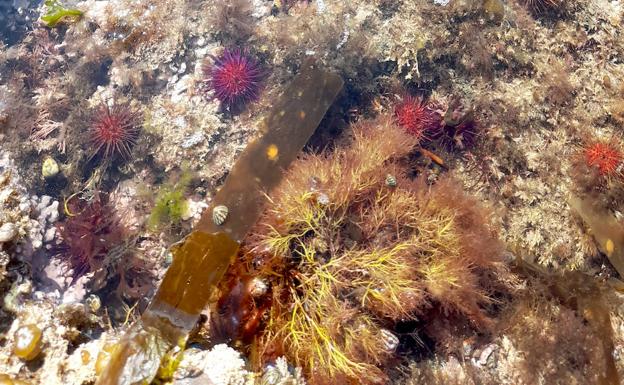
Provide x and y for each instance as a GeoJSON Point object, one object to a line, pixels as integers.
{"type": "Point", "coordinates": [219, 214]}
{"type": "Point", "coordinates": [391, 180]}
{"type": "Point", "coordinates": [27, 342]}
{"type": "Point", "coordinates": [93, 303]}
{"type": "Point", "coordinates": [390, 341]}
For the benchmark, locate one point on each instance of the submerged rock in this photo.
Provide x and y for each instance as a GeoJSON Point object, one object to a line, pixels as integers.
{"type": "Point", "coordinates": [8, 232]}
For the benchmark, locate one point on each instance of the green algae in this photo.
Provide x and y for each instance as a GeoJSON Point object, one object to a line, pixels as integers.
{"type": "Point", "coordinates": [57, 13]}
{"type": "Point", "coordinates": [170, 205]}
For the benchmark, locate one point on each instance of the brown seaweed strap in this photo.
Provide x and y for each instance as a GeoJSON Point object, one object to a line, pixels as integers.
{"type": "Point", "coordinates": [203, 257]}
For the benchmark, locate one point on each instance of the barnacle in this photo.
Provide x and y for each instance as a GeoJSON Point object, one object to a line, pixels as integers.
{"type": "Point", "coordinates": [219, 214]}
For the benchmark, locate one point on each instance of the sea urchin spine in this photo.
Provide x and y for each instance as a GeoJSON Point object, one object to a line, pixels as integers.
{"type": "Point", "coordinates": [114, 130]}
{"type": "Point", "coordinates": [235, 78]}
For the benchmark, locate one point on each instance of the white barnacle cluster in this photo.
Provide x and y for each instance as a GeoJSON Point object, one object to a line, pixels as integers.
{"type": "Point", "coordinates": [281, 373]}
{"type": "Point", "coordinates": [221, 365]}
{"type": "Point", "coordinates": [29, 218]}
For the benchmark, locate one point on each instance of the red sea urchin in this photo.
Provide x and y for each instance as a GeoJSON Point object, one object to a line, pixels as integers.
{"type": "Point", "coordinates": [606, 158]}
{"type": "Point", "coordinates": [114, 130]}
{"type": "Point", "coordinates": [417, 117]}
{"type": "Point", "coordinates": [235, 78]}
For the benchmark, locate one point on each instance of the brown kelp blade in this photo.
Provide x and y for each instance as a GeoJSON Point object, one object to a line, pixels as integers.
{"type": "Point", "coordinates": [285, 130]}
{"type": "Point", "coordinates": [606, 229]}
{"type": "Point", "coordinates": [201, 260]}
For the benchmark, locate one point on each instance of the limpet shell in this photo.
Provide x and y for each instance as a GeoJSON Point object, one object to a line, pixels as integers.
{"type": "Point", "coordinates": [219, 214]}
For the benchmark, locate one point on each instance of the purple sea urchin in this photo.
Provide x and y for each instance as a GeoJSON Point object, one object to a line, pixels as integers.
{"type": "Point", "coordinates": [235, 78]}
{"type": "Point", "coordinates": [114, 130]}
{"type": "Point", "coordinates": [88, 234]}
{"type": "Point", "coordinates": [540, 6]}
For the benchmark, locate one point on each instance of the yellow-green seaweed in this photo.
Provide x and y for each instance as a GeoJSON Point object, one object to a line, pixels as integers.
{"type": "Point", "coordinates": [57, 13]}
{"type": "Point", "coordinates": [170, 204]}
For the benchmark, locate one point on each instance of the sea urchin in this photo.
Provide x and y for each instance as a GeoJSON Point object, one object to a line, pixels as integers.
{"type": "Point", "coordinates": [417, 117]}
{"type": "Point", "coordinates": [235, 78]}
{"type": "Point", "coordinates": [605, 157]}
{"type": "Point", "coordinates": [88, 234]}
{"type": "Point", "coordinates": [114, 130]}
{"type": "Point", "coordinates": [539, 6]}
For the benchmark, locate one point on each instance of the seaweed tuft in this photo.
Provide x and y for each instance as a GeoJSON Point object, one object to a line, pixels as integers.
{"type": "Point", "coordinates": [348, 256]}
{"type": "Point", "coordinates": [170, 204]}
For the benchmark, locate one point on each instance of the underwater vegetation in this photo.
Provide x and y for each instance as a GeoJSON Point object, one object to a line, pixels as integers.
{"type": "Point", "coordinates": [562, 322]}
{"type": "Point", "coordinates": [235, 77]}
{"type": "Point", "coordinates": [56, 13]}
{"type": "Point", "coordinates": [558, 330]}
{"type": "Point", "coordinates": [364, 259]}
{"type": "Point", "coordinates": [232, 19]}
{"type": "Point", "coordinates": [349, 247]}
{"type": "Point", "coordinates": [170, 204]}
{"type": "Point", "coordinates": [114, 130]}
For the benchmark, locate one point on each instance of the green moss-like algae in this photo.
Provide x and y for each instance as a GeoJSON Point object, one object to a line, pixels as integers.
{"type": "Point", "coordinates": [170, 204]}
{"type": "Point", "coordinates": [56, 13]}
